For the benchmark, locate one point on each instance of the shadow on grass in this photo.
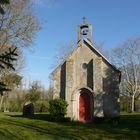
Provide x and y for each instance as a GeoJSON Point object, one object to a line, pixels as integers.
{"type": "Point", "coordinates": [128, 128]}
{"type": "Point", "coordinates": [42, 116]}
{"type": "Point", "coordinates": [57, 132]}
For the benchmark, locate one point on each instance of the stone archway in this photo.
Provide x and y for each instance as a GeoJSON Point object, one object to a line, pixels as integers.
{"type": "Point", "coordinates": [78, 95]}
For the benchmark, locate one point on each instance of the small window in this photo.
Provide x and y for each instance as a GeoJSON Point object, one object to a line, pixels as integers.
{"type": "Point", "coordinates": [84, 65]}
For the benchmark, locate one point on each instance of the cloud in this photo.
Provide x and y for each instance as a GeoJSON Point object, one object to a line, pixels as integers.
{"type": "Point", "coordinates": [44, 3]}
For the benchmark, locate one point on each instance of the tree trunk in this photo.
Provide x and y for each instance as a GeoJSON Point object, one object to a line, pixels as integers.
{"type": "Point", "coordinates": [132, 103]}
{"type": "Point", "coordinates": [1, 101]}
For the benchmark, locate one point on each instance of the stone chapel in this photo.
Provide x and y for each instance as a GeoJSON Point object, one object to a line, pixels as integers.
{"type": "Point", "coordinates": [87, 81]}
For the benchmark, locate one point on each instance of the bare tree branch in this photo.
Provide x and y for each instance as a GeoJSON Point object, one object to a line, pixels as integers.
{"type": "Point", "coordinates": [127, 57]}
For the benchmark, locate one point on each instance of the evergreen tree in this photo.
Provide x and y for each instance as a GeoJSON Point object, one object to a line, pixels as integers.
{"type": "Point", "coordinates": [2, 3]}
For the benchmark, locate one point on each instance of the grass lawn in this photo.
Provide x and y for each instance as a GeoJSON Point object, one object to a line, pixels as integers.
{"type": "Point", "coordinates": [14, 127]}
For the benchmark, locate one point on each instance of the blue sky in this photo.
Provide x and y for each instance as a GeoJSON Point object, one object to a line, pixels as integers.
{"type": "Point", "coordinates": [113, 22]}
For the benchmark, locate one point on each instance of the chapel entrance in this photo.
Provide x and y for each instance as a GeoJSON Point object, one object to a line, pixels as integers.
{"type": "Point", "coordinates": [84, 107]}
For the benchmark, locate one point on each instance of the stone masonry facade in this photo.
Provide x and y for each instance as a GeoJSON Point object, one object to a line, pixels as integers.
{"type": "Point", "coordinates": [86, 69]}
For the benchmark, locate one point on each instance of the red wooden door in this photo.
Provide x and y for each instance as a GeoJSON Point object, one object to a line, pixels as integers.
{"type": "Point", "coordinates": [84, 107]}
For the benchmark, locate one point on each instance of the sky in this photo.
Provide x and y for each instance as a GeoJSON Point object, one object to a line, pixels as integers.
{"type": "Point", "coordinates": [113, 21]}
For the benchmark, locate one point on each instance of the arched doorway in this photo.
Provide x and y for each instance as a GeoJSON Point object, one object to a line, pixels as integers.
{"type": "Point", "coordinates": [84, 106]}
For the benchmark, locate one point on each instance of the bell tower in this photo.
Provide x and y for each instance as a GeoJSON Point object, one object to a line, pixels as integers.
{"type": "Point", "coordinates": [85, 31]}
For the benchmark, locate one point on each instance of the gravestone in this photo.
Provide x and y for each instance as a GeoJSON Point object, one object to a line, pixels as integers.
{"type": "Point", "coordinates": [28, 109]}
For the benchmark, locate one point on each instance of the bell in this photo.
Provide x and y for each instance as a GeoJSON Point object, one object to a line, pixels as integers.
{"type": "Point", "coordinates": [84, 33]}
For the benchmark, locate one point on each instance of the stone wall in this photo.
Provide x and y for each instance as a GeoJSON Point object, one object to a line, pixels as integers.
{"type": "Point", "coordinates": [63, 81]}
{"type": "Point", "coordinates": [69, 85]}
{"type": "Point", "coordinates": [111, 93]}
{"type": "Point", "coordinates": [56, 83]}
{"type": "Point", "coordinates": [98, 87]}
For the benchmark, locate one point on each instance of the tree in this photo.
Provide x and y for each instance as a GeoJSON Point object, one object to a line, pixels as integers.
{"type": "Point", "coordinates": [18, 26]}
{"type": "Point", "coordinates": [34, 92]}
{"type": "Point", "coordinates": [2, 3]}
{"type": "Point", "coordinates": [12, 80]}
{"type": "Point", "coordinates": [7, 58]}
{"type": "Point", "coordinates": [6, 62]}
{"type": "Point", "coordinates": [127, 58]}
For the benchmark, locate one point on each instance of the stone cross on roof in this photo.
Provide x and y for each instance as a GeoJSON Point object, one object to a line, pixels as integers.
{"type": "Point", "coordinates": [84, 20]}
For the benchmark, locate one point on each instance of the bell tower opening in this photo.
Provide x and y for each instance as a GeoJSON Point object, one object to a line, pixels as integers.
{"type": "Point", "coordinates": [85, 31]}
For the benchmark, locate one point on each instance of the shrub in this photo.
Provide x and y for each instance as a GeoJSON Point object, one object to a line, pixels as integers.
{"type": "Point", "coordinates": [58, 108]}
